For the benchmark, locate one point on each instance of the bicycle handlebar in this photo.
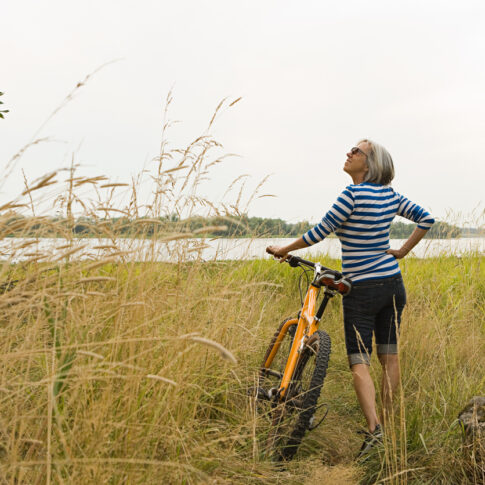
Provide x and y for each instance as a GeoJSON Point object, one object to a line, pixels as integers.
{"type": "Point", "coordinates": [295, 261]}
{"type": "Point", "coordinates": [328, 277]}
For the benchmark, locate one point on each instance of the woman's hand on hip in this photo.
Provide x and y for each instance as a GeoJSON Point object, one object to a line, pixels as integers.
{"type": "Point", "coordinates": [398, 253]}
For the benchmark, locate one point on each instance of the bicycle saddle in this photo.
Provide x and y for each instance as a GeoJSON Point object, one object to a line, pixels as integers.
{"type": "Point", "coordinates": [336, 281]}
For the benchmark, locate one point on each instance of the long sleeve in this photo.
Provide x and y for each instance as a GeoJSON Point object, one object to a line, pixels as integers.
{"type": "Point", "coordinates": [333, 219]}
{"type": "Point", "coordinates": [414, 213]}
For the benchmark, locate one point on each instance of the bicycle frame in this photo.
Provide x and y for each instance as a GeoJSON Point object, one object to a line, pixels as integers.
{"type": "Point", "coordinates": [307, 325]}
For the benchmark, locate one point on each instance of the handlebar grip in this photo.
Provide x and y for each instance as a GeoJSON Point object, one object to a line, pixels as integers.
{"type": "Point", "coordinates": [294, 261]}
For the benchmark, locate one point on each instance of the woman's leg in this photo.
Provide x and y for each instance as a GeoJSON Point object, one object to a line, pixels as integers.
{"type": "Point", "coordinates": [360, 308]}
{"type": "Point", "coordinates": [387, 335]}
{"type": "Point", "coordinates": [366, 393]}
{"type": "Point", "coordinates": [390, 381]}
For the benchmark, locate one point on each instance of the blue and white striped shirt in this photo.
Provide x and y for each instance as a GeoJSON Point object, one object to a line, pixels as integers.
{"type": "Point", "coordinates": [361, 218]}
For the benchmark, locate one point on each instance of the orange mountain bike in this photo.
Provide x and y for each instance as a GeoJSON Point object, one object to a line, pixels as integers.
{"type": "Point", "coordinates": [295, 364]}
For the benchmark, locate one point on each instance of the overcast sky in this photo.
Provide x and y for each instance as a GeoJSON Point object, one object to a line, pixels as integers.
{"type": "Point", "coordinates": [315, 76]}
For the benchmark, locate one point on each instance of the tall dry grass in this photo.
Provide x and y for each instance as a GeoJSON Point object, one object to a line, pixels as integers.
{"type": "Point", "coordinates": [110, 361]}
{"type": "Point", "coordinates": [116, 369]}
{"type": "Point", "coordinates": [124, 373]}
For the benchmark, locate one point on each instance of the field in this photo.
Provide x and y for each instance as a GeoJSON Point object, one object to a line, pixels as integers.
{"type": "Point", "coordinates": [125, 373]}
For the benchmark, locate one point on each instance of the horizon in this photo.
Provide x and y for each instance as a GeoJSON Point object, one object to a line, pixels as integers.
{"type": "Point", "coordinates": [87, 218]}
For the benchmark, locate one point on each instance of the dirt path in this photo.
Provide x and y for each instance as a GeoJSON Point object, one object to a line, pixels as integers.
{"type": "Point", "coordinates": [335, 475]}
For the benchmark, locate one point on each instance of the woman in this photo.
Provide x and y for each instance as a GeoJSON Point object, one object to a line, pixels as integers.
{"type": "Point", "coordinates": [361, 218]}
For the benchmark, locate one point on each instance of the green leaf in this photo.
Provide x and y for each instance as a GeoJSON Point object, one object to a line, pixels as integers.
{"type": "Point", "coordinates": [1, 116]}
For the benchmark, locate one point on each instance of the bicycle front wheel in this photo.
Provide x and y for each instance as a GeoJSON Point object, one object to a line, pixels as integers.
{"type": "Point", "coordinates": [293, 417]}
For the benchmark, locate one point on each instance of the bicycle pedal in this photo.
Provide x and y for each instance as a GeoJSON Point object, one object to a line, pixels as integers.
{"type": "Point", "coordinates": [273, 392]}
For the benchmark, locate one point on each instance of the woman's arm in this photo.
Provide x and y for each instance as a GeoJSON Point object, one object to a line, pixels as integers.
{"type": "Point", "coordinates": [335, 217]}
{"type": "Point", "coordinates": [413, 239]}
{"type": "Point", "coordinates": [414, 213]}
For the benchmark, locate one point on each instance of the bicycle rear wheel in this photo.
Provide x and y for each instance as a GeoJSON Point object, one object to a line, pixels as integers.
{"type": "Point", "coordinates": [292, 418]}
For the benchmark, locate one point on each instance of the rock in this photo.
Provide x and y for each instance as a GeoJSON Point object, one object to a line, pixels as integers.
{"type": "Point", "coordinates": [472, 419]}
{"type": "Point", "coordinates": [472, 416]}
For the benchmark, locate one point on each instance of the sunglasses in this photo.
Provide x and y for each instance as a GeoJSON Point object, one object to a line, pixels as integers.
{"type": "Point", "coordinates": [355, 150]}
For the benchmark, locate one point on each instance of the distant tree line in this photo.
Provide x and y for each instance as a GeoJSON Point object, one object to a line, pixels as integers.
{"type": "Point", "coordinates": [439, 230]}
{"type": "Point", "coordinates": [245, 226]}
{"type": "Point", "coordinates": [218, 226]}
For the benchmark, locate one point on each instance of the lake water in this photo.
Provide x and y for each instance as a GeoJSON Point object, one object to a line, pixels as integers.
{"type": "Point", "coordinates": [51, 249]}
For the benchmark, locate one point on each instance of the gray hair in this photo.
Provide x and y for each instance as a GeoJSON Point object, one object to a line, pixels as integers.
{"type": "Point", "coordinates": [379, 162]}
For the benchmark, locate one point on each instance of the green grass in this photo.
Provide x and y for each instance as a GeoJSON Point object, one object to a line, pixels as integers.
{"type": "Point", "coordinates": [77, 402]}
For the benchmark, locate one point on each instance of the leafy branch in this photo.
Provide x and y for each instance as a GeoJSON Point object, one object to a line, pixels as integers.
{"type": "Point", "coordinates": [2, 110]}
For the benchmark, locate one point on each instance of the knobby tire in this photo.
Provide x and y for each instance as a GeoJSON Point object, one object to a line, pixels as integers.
{"type": "Point", "coordinates": [300, 404]}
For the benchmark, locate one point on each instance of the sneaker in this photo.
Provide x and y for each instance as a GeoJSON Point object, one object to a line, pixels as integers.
{"type": "Point", "coordinates": [370, 440]}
